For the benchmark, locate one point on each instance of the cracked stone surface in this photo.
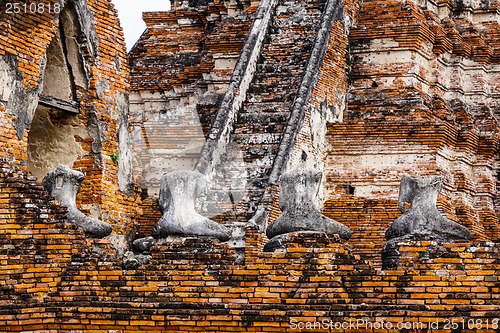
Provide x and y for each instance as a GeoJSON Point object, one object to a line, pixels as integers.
{"type": "Point", "coordinates": [298, 191]}
{"type": "Point", "coordinates": [63, 184]}
{"type": "Point", "coordinates": [423, 217]}
{"type": "Point", "coordinates": [178, 193]}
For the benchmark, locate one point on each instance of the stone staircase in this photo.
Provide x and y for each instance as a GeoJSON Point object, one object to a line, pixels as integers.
{"type": "Point", "coordinates": [241, 175]}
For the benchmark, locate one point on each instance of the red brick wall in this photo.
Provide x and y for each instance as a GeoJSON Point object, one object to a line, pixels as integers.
{"type": "Point", "coordinates": [197, 285]}
{"type": "Point", "coordinates": [25, 38]}
{"type": "Point", "coordinates": [413, 108]}
{"type": "Point", "coordinates": [17, 38]}
{"type": "Point", "coordinates": [180, 67]}
{"type": "Point", "coordinates": [36, 245]}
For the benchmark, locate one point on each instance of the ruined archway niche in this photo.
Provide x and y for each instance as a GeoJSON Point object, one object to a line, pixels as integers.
{"type": "Point", "coordinates": [56, 123]}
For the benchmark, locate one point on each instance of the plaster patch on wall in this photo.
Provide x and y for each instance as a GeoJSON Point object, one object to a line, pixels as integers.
{"type": "Point", "coordinates": [125, 155]}
{"type": "Point", "coordinates": [52, 140]}
{"type": "Point", "coordinates": [16, 99]}
{"type": "Point", "coordinates": [94, 129]}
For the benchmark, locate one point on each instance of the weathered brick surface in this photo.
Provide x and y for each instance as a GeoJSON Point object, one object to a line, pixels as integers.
{"type": "Point", "coordinates": [260, 122]}
{"type": "Point", "coordinates": [420, 97]}
{"type": "Point", "coordinates": [198, 285]}
{"type": "Point", "coordinates": [422, 101]}
{"type": "Point", "coordinates": [24, 41]}
{"type": "Point", "coordinates": [179, 68]}
{"type": "Point", "coordinates": [36, 245]}
{"type": "Point", "coordinates": [151, 213]}
{"type": "Point", "coordinates": [368, 220]}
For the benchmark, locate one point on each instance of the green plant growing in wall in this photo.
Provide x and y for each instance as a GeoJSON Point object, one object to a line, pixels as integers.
{"type": "Point", "coordinates": [115, 157]}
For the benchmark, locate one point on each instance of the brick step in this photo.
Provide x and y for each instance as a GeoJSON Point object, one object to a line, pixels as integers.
{"type": "Point", "coordinates": [248, 139]}
{"type": "Point", "coordinates": [252, 183]}
{"type": "Point", "coordinates": [253, 175]}
{"type": "Point", "coordinates": [256, 152]}
{"type": "Point", "coordinates": [267, 115]}
{"type": "Point", "coordinates": [271, 127]}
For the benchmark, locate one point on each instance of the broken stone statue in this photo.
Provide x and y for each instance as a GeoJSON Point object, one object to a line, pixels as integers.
{"type": "Point", "coordinates": [178, 193]}
{"type": "Point", "coordinates": [423, 217]}
{"type": "Point", "coordinates": [298, 191]}
{"type": "Point", "coordinates": [63, 184]}
{"type": "Point", "coordinates": [422, 220]}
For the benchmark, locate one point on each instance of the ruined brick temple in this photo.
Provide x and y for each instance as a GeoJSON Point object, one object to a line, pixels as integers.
{"type": "Point", "coordinates": [250, 166]}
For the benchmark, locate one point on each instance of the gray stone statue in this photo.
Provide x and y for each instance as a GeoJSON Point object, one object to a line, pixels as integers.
{"type": "Point", "coordinates": [298, 190]}
{"type": "Point", "coordinates": [63, 184]}
{"type": "Point", "coordinates": [178, 192]}
{"type": "Point", "coordinates": [423, 218]}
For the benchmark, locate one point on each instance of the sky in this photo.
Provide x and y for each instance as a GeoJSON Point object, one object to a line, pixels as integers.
{"type": "Point", "coordinates": [130, 14]}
